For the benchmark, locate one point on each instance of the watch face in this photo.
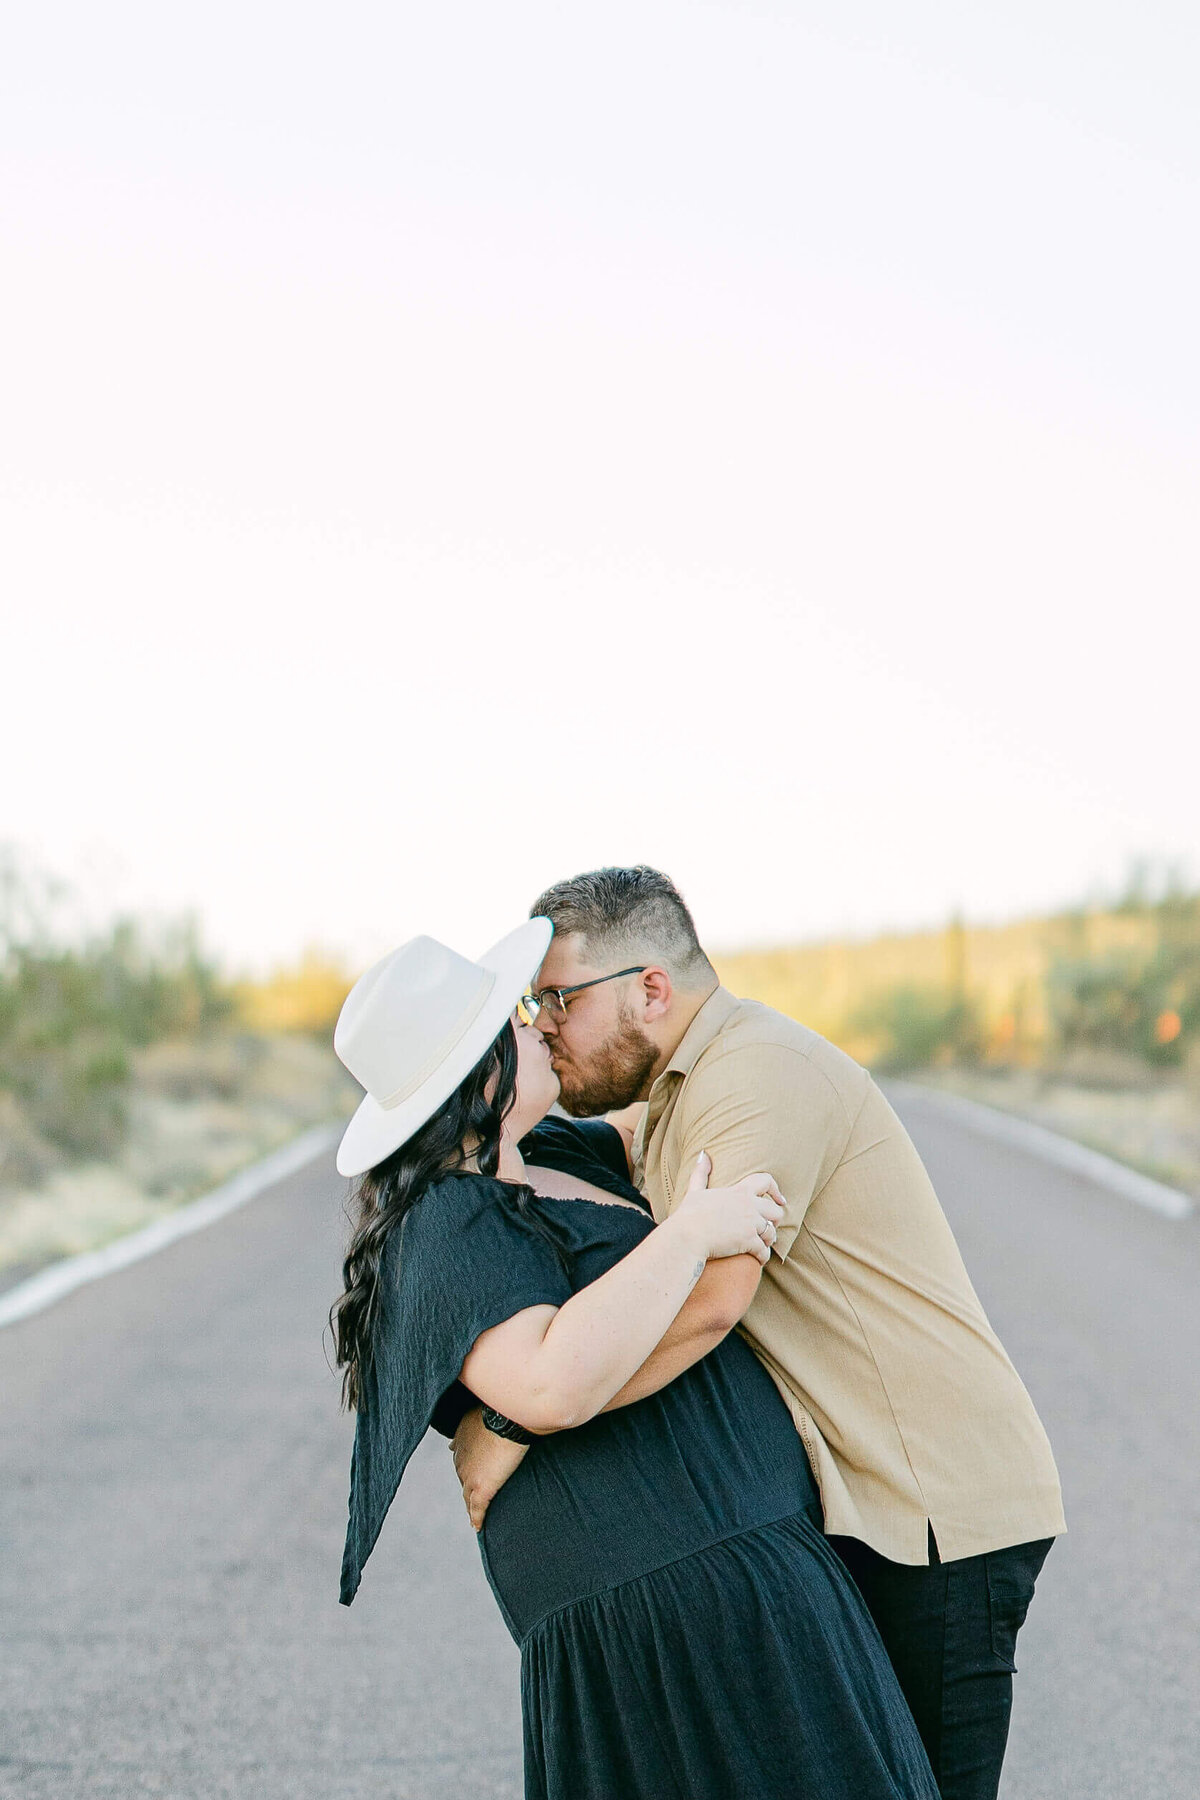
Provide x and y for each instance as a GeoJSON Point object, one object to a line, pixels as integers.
{"type": "Point", "coordinates": [505, 1428]}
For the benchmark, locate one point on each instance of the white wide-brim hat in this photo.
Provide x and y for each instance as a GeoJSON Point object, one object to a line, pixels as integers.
{"type": "Point", "coordinates": [414, 1026]}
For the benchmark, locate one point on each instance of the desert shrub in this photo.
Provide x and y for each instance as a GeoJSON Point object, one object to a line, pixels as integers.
{"type": "Point", "coordinates": [1144, 1005]}
{"type": "Point", "coordinates": [306, 997]}
{"type": "Point", "coordinates": [71, 1014]}
{"type": "Point", "coordinates": [915, 1027]}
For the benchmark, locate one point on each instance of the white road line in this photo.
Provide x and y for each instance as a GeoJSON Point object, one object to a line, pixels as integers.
{"type": "Point", "coordinates": [1052, 1147]}
{"type": "Point", "coordinates": [61, 1278]}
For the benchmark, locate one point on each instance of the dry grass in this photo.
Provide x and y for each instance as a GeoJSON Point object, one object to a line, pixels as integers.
{"type": "Point", "coordinates": [1146, 1116]}
{"type": "Point", "coordinates": [1154, 1127]}
{"type": "Point", "coordinates": [198, 1112]}
{"type": "Point", "coordinates": [1003, 969]}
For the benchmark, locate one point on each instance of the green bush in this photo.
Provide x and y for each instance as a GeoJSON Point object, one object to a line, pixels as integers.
{"type": "Point", "coordinates": [70, 1016]}
{"type": "Point", "coordinates": [919, 1026]}
{"type": "Point", "coordinates": [1128, 1002]}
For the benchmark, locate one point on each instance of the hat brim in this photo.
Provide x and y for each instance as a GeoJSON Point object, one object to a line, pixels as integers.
{"type": "Point", "coordinates": [375, 1131]}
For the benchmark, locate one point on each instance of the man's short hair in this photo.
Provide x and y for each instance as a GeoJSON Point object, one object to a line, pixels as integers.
{"type": "Point", "coordinates": [627, 915]}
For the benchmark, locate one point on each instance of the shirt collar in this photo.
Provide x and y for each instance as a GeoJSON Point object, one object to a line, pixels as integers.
{"type": "Point", "coordinates": [701, 1032]}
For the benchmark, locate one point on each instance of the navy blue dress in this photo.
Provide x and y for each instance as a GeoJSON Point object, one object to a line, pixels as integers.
{"type": "Point", "coordinates": [686, 1632]}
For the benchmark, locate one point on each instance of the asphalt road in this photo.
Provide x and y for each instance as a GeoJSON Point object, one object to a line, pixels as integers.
{"type": "Point", "coordinates": [172, 1503]}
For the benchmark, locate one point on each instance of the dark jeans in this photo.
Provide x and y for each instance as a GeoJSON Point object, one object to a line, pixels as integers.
{"type": "Point", "coordinates": [951, 1632]}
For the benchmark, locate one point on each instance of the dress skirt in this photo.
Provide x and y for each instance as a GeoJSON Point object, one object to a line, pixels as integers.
{"type": "Point", "coordinates": [746, 1671]}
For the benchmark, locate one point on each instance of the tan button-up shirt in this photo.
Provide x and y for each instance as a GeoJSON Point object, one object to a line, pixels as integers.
{"type": "Point", "coordinates": [911, 1413]}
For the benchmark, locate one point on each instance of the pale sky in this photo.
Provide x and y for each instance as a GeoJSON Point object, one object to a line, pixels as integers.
{"type": "Point", "coordinates": [445, 448]}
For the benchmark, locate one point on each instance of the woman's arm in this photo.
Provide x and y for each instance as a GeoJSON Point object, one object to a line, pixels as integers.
{"type": "Point", "coordinates": [550, 1368]}
{"type": "Point", "coordinates": [710, 1312]}
{"type": "Point", "coordinates": [483, 1462]}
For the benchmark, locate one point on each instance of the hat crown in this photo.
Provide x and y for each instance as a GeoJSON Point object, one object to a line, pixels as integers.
{"type": "Point", "coordinates": [404, 1016]}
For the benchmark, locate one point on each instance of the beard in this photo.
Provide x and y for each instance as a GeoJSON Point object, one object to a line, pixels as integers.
{"type": "Point", "coordinates": [615, 1075]}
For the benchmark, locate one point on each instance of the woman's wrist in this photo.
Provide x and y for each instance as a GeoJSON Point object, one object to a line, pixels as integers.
{"type": "Point", "coordinates": [501, 1426]}
{"type": "Point", "coordinates": [691, 1236]}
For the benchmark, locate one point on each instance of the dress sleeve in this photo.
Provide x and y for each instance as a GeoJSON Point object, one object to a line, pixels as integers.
{"type": "Point", "coordinates": [591, 1148]}
{"type": "Point", "coordinates": [466, 1257]}
{"type": "Point", "coordinates": [606, 1145]}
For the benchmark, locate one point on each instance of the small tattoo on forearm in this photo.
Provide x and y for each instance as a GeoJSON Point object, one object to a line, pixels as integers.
{"type": "Point", "coordinates": [698, 1271]}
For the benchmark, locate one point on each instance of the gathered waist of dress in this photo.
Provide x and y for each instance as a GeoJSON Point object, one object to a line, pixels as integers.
{"type": "Point", "coordinates": [529, 1605]}
{"type": "Point", "coordinates": [641, 1487]}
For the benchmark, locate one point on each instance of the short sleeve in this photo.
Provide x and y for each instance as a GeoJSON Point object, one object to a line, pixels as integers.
{"type": "Point", "coordinates": [466, 1257]}
{"type": "Point", "coordinates": [471, 1254]}
{"type": "Point", "coordinates": [764, 1107]}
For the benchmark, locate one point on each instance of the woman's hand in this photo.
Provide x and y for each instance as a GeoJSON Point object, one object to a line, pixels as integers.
{"type": "Point", "coordinates": [731, 1221]}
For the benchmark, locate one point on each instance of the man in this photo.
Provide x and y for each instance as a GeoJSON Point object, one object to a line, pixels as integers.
{"type": "Point", "coordinates": [937, 1482]}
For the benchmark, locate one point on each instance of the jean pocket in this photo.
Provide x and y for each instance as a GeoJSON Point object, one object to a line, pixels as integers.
{"type": "Point", "coordinates": [1011, 1577]}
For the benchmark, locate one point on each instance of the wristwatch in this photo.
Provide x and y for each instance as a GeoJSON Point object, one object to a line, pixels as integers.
{"type": "Point", "coordinates": [506, 1428]}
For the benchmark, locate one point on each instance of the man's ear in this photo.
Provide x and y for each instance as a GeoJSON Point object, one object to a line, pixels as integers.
{"type": "Point", "coordinates": [656, 994]}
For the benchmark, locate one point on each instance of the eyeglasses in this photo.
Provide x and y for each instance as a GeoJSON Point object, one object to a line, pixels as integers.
{"type": "Point", "coordinates": [554, 1000]}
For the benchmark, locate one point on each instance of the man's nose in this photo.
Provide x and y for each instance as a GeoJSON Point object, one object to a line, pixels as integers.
{"type": "Point", "coordinates": [546, 1023]}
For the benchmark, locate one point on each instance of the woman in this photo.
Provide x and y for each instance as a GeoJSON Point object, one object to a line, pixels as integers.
{"type": "Point", "coordinates": [684, 1628]}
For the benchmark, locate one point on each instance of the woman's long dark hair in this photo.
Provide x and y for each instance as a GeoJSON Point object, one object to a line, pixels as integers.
{"type": "Point", "coordinates": [466, 1126]}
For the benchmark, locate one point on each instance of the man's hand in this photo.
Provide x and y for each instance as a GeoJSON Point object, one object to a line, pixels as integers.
{"type": "Point", "coordinates": [483, 1463]}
